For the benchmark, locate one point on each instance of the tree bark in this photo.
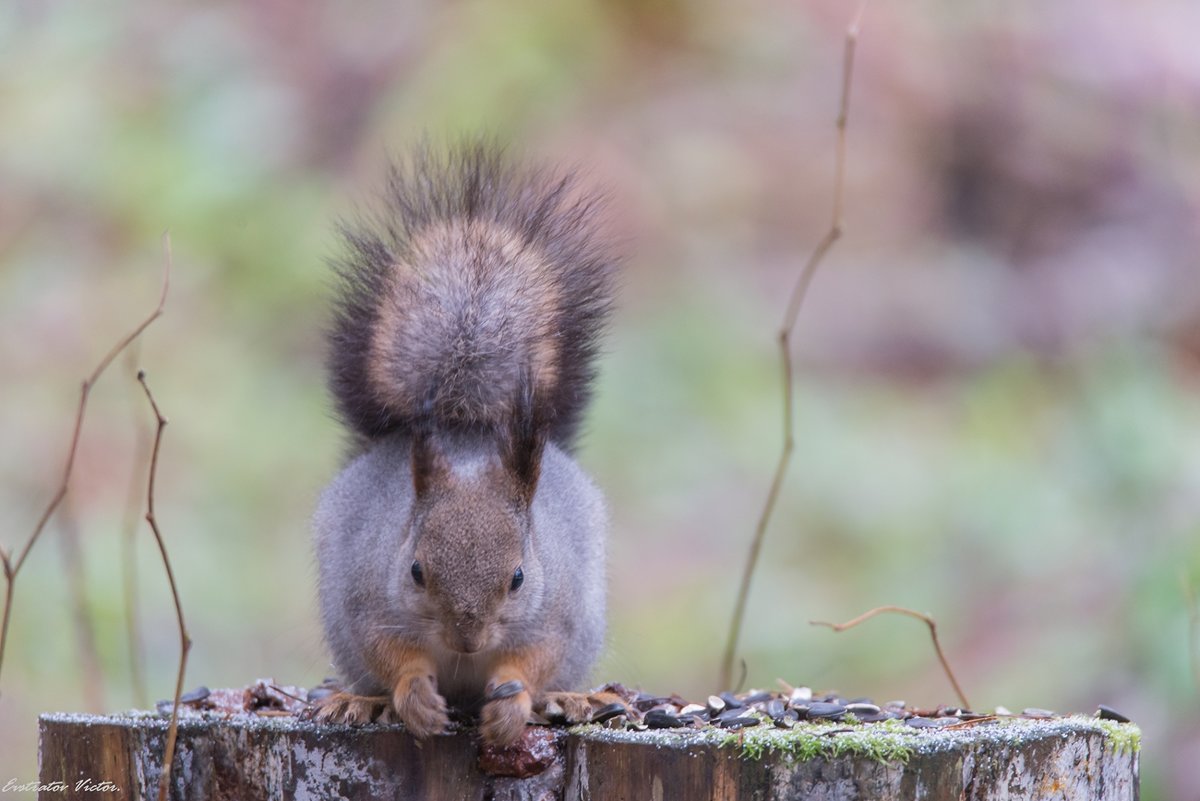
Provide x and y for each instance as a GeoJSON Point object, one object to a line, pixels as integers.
{"type": "Point", "coordinates": [245, 756]}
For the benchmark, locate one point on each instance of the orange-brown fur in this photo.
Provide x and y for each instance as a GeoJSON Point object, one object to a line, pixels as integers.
{"type": "Point", "coordinates": [411, 674]}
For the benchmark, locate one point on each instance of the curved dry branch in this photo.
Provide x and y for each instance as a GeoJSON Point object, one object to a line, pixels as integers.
{"type": "Point", "coordinates": [185, 642]}
{"type": "Point", "coordinates": [900, 610]}
{"type": "Point", "coordinates": [795, 302]}
{"type": "Point", "coordinates": [13, 566]}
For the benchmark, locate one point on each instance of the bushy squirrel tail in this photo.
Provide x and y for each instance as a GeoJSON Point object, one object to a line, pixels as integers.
{"type": "Point", "coordinates": [473, 299]}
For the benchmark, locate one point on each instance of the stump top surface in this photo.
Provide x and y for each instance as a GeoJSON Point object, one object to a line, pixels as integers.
{"type": "Point", "coordinates": [888, 742]}
{"type": "Point", "coordinates": [884, 742]}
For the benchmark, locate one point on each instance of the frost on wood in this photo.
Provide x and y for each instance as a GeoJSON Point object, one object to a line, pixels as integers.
{"type": "Point", "coordinates": [247, 756]}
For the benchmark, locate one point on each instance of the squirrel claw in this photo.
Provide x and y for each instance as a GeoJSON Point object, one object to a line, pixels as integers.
{"type": "Point", "coordinates": [348, 708]}
{"type": "Point", "coordinates": [503, 720]}
{"type": "Point", "coordinates": [565, 707]}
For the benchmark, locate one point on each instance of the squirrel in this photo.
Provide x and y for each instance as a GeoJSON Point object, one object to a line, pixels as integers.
{"type": "Point", "coordinates": [461, 553]}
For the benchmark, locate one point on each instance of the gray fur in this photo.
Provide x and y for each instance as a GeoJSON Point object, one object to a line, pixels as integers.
{"type": "Point", "coordinates": [478, 282]}
{"type": "Point", "coordinates": [461, 352]}
{"type": "Point", "coordinates": [366, 535]}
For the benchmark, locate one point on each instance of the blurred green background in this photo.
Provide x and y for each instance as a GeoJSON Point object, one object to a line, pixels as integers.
{"type": "Point", "coordinates": [997, 372]}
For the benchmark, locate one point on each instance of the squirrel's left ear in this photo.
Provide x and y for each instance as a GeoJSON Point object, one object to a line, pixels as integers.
{"type": "Point", "coordinates": [430, 467]}
{"type": "Point", "coordinates": [521, 449]}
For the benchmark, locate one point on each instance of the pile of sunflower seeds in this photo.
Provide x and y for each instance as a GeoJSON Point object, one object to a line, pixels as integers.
{"type": "Point", "coordinates": [785, 708]}
{"type": "Point", "coordinates": [618, 707]}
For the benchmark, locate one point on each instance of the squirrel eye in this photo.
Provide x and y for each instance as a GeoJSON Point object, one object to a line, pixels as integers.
{"type": "Point", "coordinates": [518, 580]}
{"type": "Point", "coordinates": [418, 574]}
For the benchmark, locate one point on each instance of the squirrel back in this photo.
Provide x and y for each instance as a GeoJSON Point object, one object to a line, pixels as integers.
{"type": "Point", "coordinates": [471, 301]}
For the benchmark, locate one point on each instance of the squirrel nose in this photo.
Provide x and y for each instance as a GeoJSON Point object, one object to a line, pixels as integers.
{"type": "Point", "coordinates": [468, 634]}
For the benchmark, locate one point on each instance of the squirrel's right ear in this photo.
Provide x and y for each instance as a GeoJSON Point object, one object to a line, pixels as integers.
{"type": "Point", "coordinates": [430, 468]}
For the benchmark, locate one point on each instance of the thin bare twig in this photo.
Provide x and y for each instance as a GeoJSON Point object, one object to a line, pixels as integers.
{"type": "Point", "coordinates": [966, 724]}
{"type": "Point", "coordinates": [282, 691]}
{"type": "Point", "coordinates": [929, 621]}
{"type": "Point", "coordinates": [185, 642]}
{"type": "Point", "coordinates": [13, 566]}
{"type": "Point", "coordinates": [743, 671]}
{"type": "Point", "coordinates": [784, 336]}
{"type": "Point", "coordinates": [10, 581]}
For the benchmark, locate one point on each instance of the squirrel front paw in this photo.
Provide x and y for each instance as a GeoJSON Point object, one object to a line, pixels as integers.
{"type": "Point", "coordinates": [419, 707]}
{"type": "Point", "coordinates": [348, 708]}
{"type": "Point", "coordinates": [565, 707]}
{"type": "Point", "coordinates": [505, 714]}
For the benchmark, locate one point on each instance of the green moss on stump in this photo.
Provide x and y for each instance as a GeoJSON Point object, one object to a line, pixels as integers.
{"type": "Point", "coordinates": [887, 742]}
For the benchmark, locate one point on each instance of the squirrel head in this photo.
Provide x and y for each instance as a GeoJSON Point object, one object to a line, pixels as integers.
{"type": "Point", "coordinates": [471, 568]}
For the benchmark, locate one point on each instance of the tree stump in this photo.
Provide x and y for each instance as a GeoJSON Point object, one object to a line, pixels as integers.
{"type": "Point", "coordinates": [249, 756]}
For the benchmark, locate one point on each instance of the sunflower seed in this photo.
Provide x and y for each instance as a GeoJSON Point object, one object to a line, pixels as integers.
{"type": "Point", "coordinates": [506, 690]}
{"type": "Point", "coordinates": [733, 724]}
{"type": "Point", "coordinates": [921, 723]}
{"type": "Point", "coordinates": [874, 717]}
{"type": "Point", "coordinates": [731, 701]}
{"type": "Point", "coordinates": [1108, 713]}
{"type": "Point", "coordinates": [657, 719]}
{"type": "Point", "coordinates": [607, 712]}
{"type": "Point", "coordinates": [195, 696]}
{"type": "Point", "coordinates": [729, 714]}
{"type": "Point", "coordinates": [826, 711]}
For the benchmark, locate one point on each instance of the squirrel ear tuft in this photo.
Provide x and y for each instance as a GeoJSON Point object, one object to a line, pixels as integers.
{"type": "Point", "coordinates": [521, 450]}
{"type": "Point", "coordinates": [430, 467]}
